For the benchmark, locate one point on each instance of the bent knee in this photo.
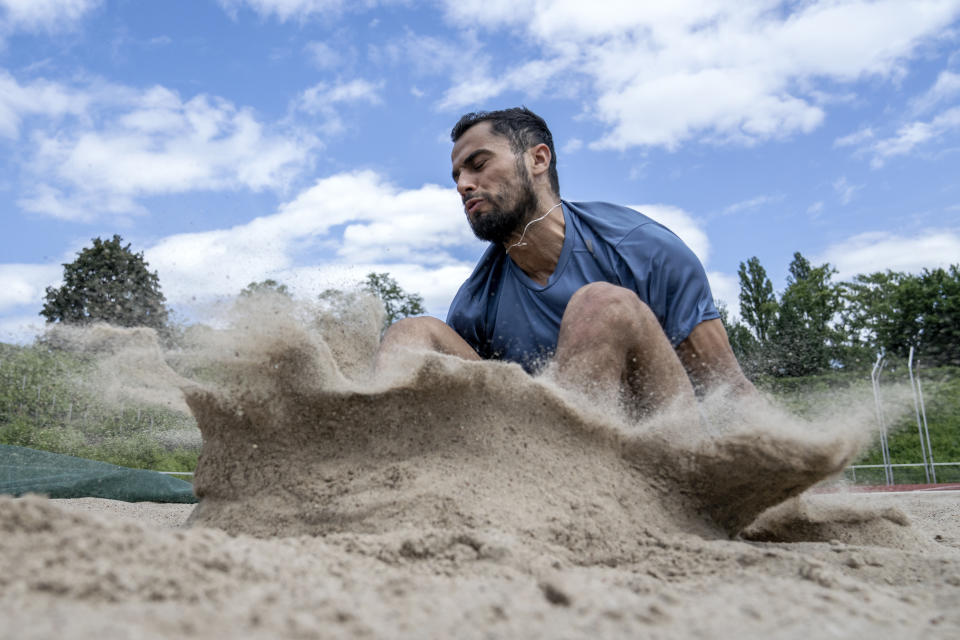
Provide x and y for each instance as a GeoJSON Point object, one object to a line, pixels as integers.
{"type": "Point", "coordinates": [427, 332]}
{"type": "Point", "coordinates": [604, 308]}
{"type": "Point", "coordinates": [609, 300]}
{"type": "Point", "coordinates": [420, 327]}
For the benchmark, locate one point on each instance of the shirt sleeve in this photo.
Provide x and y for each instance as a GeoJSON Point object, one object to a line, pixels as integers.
{"type": "Point", "coordinates": [668, 276]}
{"type": "Point", "coordinates": [465, 317]}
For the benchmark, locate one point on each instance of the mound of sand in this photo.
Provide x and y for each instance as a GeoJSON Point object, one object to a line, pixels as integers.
{"type": "Point", "coordinates": [446, 498]}
{"type": "Point", "coordinates": [291, 446]}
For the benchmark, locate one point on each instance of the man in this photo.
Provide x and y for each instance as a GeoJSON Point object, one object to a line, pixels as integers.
{"type": "Point", "coordinates": [613, 300]}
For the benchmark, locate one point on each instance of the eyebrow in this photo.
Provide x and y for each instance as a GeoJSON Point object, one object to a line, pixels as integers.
{"type": "Point", "coordinates": [468, 160]}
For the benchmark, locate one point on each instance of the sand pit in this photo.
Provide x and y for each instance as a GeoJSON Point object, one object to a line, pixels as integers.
{"type": "Point", "coordinates": [450, 499]}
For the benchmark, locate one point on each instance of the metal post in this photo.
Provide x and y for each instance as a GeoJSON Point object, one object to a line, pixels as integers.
{"type": "Point", "coordinates": [916, 410]}
{"type": "Point", "coordinates": [884, 448]}
{"type": "Point", "coordinates": [926, 431]}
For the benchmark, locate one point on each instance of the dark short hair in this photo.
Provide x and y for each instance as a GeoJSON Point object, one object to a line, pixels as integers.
{"type": "Point", "coordinates": [522, 127]}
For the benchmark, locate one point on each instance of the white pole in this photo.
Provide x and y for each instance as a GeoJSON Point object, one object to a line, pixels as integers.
{"type": "Point", "coordinates": [884, 449]}
{"type": "Point", "coordinates": [916, 410]}
{"type": "Point", "coordinates": [923, 412]}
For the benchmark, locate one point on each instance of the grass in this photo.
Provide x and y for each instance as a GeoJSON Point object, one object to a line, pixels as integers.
{"type": "Point", "coordinates": [44, 404]}
{"type": "Point", "coordinates": [941, 393]}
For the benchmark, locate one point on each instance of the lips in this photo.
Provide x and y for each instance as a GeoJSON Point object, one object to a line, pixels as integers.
{"type": "Point", "coordinates": [471, 205]}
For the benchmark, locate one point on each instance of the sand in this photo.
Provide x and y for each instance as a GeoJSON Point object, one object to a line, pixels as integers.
{"type": "Point", "coordinates": [445, 498]}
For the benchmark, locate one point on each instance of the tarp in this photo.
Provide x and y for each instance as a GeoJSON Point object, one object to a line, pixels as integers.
{"type": "Point", "coordinates": [24, 470]}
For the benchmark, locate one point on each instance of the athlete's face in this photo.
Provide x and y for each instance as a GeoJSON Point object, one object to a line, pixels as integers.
{"type": "Point", "coordinates": [493, 182]}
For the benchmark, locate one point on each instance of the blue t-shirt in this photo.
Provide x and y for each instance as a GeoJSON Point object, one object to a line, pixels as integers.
{"type": "Point", "coordinates": [502, 313]}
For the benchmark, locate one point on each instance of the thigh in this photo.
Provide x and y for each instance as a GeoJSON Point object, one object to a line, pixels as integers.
{"type": "Point", "coordinates": [428, 334]}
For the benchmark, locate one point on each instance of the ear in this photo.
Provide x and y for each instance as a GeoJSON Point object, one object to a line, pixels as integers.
{"type": "Point", "coordinates": [539, 158]}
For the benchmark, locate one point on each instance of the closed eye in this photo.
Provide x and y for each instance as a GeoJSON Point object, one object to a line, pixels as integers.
{"type": "Point", "coordinates": [475, 161]}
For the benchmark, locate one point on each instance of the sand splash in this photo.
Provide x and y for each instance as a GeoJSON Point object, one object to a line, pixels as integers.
{"type": "Point", "coordinates": [294, 446]}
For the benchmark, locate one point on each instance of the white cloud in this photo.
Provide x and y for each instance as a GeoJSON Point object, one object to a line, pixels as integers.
{"type": "Point", "coordinates": [726, 289]}
{"type": "Point", "coordinates": [815, 208]}
{"type": "Point", "coordinates": [350, 223]}
{"type": "Point", "coordinates": [530, 77]}
{"type": "Point", "coordinates": [430, 54]}
{"type": "Point", "coordinates": [751, 203]}
{"type": "Point", "coordinates": [856, 138]}
{"type": "Point", "coordinates": [322, 100]}
{"type": "Point", "coordinates": [912, 135]}
{"type": "Point", "coordinates": [572, 146]}
{"type": "Point", "coordinates": [845, 190]}
{"type": "Point", "coordinates": [946, 87]}
{"type": "Point", "coordinates": [322, 95]}
{"type": "Point", "coordinates": [43, 15]}
{"type": "Point", "coordinates": [99, 148]}
{"type": "Point", "coordinates": [879, 251]}
{"type": "Point", "coordinates": [330, 235]}
{"type": "Point", "coordinates": [668, 72]}
{"type": "Point", "coordinates": [37, 98]}
{"type": "Point", "coordinates": [323, 55]}
{"type": "Point", "coordinates": [489, 13]}
{"type": "Point", "coordinates": [283, 9]}
{"type": "Point", "coordinates": [25, 284]}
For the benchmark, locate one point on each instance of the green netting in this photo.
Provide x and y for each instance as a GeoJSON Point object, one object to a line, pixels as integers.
{"type": "Point", "coordinates": [24, 470]}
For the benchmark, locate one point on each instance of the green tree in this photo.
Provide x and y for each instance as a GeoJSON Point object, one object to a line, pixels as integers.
{"type": "Point", "coordinates": [803, 337]}
{"type": "Point", "coordinates": [894, 311]}
{"type": "Point", "coordinates": [397, 303]}
{"type": "Point", "coordinates": [745, 347]}
{"type": "Point", "coordinates": [757, 302]}
{"type": "Point", "coordinates": [940, 335]}
{"type": "Point", "coordinates": [108, 283]}
{"type": "Point", "coordinates": [265, 286]}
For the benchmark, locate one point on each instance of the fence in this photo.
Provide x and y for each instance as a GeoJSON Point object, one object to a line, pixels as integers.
{"type": "Point", "coordinates": [904, 473]}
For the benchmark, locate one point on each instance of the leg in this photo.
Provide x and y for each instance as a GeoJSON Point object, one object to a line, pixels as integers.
{"type": "Point", "coordinates": [422, 334]}
{"type": "Point", "coordinates": [611, 342]}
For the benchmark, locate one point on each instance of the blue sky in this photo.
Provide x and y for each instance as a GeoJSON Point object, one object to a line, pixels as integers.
{"type": "Point", "coordinates": [307, 140]}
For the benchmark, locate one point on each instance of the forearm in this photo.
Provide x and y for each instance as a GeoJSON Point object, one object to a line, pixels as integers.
{"type": "Point", "coordinates": [709, 360]}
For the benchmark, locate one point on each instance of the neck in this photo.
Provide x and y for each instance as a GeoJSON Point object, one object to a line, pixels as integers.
{"type": "Point", "coordinates": [536, 246]}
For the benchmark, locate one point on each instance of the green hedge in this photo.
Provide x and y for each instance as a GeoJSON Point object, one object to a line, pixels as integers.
{"type": "Point", "coordinates": [45, 405]}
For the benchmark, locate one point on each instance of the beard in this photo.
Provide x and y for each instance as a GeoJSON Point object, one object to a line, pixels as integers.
{"type": "Point", "coordinates": [510, 208]}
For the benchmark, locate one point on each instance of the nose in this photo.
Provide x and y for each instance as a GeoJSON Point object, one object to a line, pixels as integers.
{"type": "Point", "coordinates": [465, 184]}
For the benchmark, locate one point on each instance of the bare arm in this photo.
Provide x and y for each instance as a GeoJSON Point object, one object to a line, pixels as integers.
{"type": "Point", "coordinates": [709, 360]}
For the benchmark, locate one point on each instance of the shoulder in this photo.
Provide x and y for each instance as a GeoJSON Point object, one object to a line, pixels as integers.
{"type": "Point", "coordinates": [611, 222]}
{"type": "Point", "coordinates": [625, 228]}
